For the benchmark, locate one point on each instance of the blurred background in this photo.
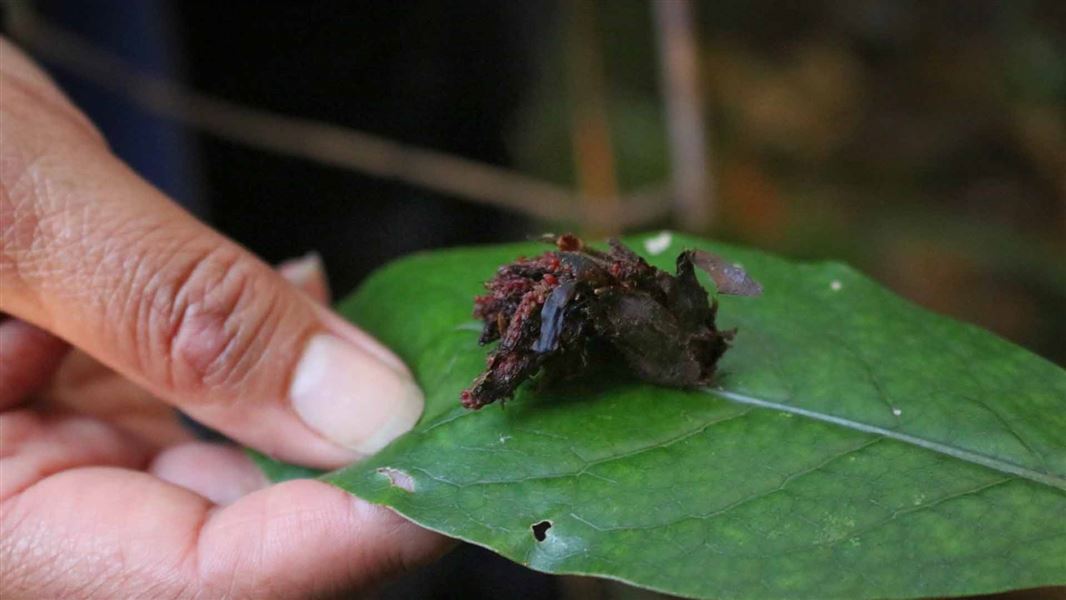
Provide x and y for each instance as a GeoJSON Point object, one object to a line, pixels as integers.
{"type": "Point", "coordinates": [924, 142]}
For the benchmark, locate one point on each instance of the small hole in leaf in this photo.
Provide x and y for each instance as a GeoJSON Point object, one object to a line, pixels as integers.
{"type": "Point", "coordinates": [540, 530]}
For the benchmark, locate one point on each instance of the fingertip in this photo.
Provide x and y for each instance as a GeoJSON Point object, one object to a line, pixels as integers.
{"type": "Point", "coordinates": [307, 273]}
{"type": "Point", "coordinates": [306, 537]}
{"type": "Point", "coordinates": [351, 398]}
{"type": "Point", "coordinates": [220, 473]}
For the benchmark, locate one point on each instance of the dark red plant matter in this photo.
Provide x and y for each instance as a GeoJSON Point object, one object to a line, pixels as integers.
{"type": "Point", "coordinates": [551, 311]}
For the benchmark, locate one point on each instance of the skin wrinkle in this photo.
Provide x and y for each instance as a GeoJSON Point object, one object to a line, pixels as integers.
{"type": "Point", "coordinates": [87, 234]}
{"type": "Point", "coordinates": [44, 205]}
{"type": "Point", "coordinates": [403, 562]}
{"type": "Point", "coordinates": [109, 568]}
{"type": "Point", "coordinates": [191, 555]}
{"type": "Point", "coordinates": [66, 258]}
{"type": "Point", "coordinates": [18, 223]}
{"type": "Point", "coordinates": [16, 112]}
{"type": "Point", "coordinates": [12, 521]}
{"type": "Point", "coordinates": [276, 529]}
{"type": "Point", "coordinates": [41, 222]}
{"type": "Point", "coordinates": [246, 318]}
{"type": "Point", "coordinates": [208, 572]}
{"type": "Point", "coordinates": [116, 246]}
{"type": "Point", "coordinates": [53, 568]}
{"type": "Point", "coordinates": [145, 282]}
{"type": "Point", "coordinates": [195, 298]}
{"type": "Point", "coordinates": [250, 326]}
{"type": "Point", "coordinates": [92, 261]}
{"type": "Point", "coordinates": [262, 331]}
{"type": "Point", "coordinates": [116, 565]}
{"type": "Point", "coordinates": [9, 526]}
{"type": "Point", "coordinates": [188, 313]}
{"type": "Point", "coordinates": [394, 562]}
{"type": "Point", "coordinates": [258, 557]}
{"type": "Point", "coordinates": [128, 303]}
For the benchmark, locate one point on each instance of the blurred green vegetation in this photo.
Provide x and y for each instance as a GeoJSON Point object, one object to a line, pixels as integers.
{"type": "Point", "coordinates": [923, 142]}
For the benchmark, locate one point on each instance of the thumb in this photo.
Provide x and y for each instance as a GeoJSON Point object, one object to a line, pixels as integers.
{"type": "Point", "coordinates": [97, 256]}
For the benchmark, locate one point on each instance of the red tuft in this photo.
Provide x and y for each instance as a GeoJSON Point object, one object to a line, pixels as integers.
{"type": "Point", "coordinates": [568, 242]}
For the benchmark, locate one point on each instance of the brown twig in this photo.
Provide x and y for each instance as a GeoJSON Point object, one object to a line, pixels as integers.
{"type": "Point", "coordinates": [591, 134]}
{"type": "Point", "coordinates": [693, 183]}
{"type": "Point", "coordinates": [325, 143]}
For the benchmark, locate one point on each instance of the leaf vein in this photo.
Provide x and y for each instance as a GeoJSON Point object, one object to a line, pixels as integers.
{"type": "Point", "coordinates": [996, 464]}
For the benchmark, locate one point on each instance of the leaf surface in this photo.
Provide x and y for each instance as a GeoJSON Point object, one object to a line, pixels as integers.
{"type": "Point", "coordinates": [854, 445]}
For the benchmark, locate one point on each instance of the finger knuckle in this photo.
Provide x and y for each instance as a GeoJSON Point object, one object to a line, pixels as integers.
{"type": "Point", "coordinates": [210, 318]}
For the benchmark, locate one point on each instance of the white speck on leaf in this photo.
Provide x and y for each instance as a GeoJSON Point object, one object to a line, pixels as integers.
{"type": "Point", "coordinates": [658, 244]}
{"type": "Point", "coordinates": [835, 527]}
{"type": "Point", "coordinates": [835, 285]}
{"type": "Point", "coordinates": [504, 438]}
{"type": "Point", "coordinates": [398, 478]}
{"type": "Point", "coordinates": [469, 326]}
{"type": "Point", "coordinates": [897, 411]}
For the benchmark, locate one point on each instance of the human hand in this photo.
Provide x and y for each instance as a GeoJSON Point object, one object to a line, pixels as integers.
{"type": "Point", "coordinates": [102, 493]}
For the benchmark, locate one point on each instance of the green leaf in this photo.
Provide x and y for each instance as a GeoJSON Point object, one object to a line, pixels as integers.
{"type": "Point", "coordinates": [279, 471]}
{"type": "Point", "coordinates": [855, 446]}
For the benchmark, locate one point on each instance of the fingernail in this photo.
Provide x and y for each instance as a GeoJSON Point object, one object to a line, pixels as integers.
{"type": "Point", "coordinates": [350, 397]}
{"type": "Point", "coordinates": [304, 270]}
{"type": "Point", "coordinates": [363, 340]}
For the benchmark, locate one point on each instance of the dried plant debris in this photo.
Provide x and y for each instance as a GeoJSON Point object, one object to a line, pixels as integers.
{"type": "Point", "coordinates": [552, 311]}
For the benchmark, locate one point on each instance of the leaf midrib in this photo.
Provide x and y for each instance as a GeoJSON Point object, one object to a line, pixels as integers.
{"type": "Point", "coordinates": [990, 462]}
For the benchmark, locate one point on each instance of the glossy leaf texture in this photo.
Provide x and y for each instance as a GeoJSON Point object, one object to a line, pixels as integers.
{"type": "Point", "coordinates": [854, 445]}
